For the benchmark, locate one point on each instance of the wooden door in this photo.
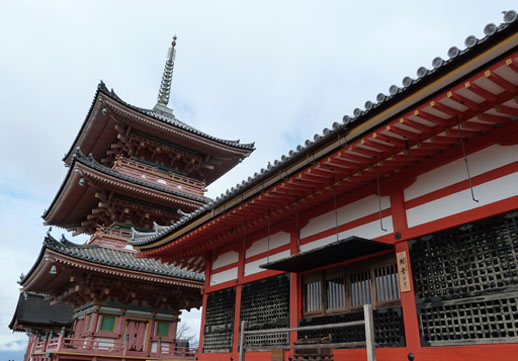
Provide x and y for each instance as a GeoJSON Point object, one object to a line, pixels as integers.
{"type": "Point", "coordinates": [135, 333]}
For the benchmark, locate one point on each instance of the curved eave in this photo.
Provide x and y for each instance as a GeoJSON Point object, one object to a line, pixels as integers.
{"type": "Point", "coordinates": [97, 132]}
{"type": "Point", "coordinates": [127, 273]}
{"type": "Point", "coordinates": [73, 201]}
{"type": "Point", "coordinates": [449, 78]}
{"type": "Point", "coordinates": [38, 278]}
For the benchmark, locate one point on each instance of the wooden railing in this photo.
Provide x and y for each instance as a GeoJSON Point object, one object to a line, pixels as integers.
{"type": "Point", "coordinates": [367, 322]}
{"type": "Point", "coordinates": [109, 347]}
{"type": "Point", "coordinates": [153, 175]}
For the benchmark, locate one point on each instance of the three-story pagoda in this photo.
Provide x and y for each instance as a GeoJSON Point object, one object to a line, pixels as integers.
{"type": "Point", "coordinates": [131, 170]}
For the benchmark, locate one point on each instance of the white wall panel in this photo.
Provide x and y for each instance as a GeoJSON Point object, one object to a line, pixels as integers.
{"type": "Point", "coordinates": [486, 193]}
{"type": "Point", "coordinates": [368, 230]}
{"type": "Point", "coordinates": [346, 214]}
{"type": "Point", "coordinates": [225, 259]}
{"type": "Point", "coordinates": [454, 172]}
{"type": "Point", "coordinates": [253, 267]}
{"type": "Point", "coordinates": [104, 342]}
{"type": "Point", "coordinates": [276, 240]}
{"type": "Point", "coordinates": [224, 276]}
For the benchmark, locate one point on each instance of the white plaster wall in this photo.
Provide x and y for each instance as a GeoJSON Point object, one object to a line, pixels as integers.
{"type": "Point", "coordinates": [225, 259]}
{"type": "Point", "coordinates": [346, 214]}
{"type": "Point", "coordinates": [253, 267]}
{"type": "Point", "coordinates": [276, 240]}
{"type": "Point", "coordinates": [368, 230]}
{"type": "Point", "coordinates": [224, 276]}
{"type": "Point", "coordinates": [479, 163]}
{"type": "Point", "coordinates": [104, 343]}
{"type": "Point", "coordinates": [495, 190]}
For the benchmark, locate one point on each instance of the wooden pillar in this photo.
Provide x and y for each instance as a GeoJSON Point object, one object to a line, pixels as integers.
{"type": "Point", "coordinates": [30, 346]}
{"type": "Point", "coordinates": [152, 332]}
{"type": "Point", "coordinates": [45, 342]}
{"type": "Point", "coordinates": [208, 264]}
{"type": "Point", "coordinates": [239, 288]}
{"type": "Point", "coordinates": [237, 314]}
{"type": "Point", "coordinates": [174, 326]}
{"type": "Point", "coordinates": [93, 327]}
{"type": "Point", "coordinates": [408, 305]}
{"type": "Point", "coordinates": [61, 338]}
{"type": "Point", "coordinates": [294, 291]}
{"type": "Point", "coordinates": [119, 328]}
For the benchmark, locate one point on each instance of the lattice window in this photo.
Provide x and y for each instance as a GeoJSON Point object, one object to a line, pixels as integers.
{"type": "Point", "coordinates": [346, 289]}
{"type": "Point", "coordinates": [335, 287]}
{"type": "Point", "coordinates": [386, 281]}
{"type": "Point", "coordinates": [313, 294]}
{"type": "Point", "coordinates": [466, 283]}
{"type": "Point", "coordinates": [388, 327]}
{"type": "Point", "coordinates": [219, 321]}
{"type": "Point", "coordinates": [265, 305]}
{"type": "Point", "coordinates": [361, 290]}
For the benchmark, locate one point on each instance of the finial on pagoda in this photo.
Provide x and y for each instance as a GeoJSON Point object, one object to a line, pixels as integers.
{"type": "Point", "coordinates": [165, 86]}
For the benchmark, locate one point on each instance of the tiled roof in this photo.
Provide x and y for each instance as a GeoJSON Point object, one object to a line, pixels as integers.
{"type": "Point", "coordinates": [92, 163]}
{"type": "Point", "coordinates": [160, 116]}
{"type": "Point", "coordinates": [409, 85]}
{"type": "Point", "coordinates": [117, 258]}
{"type": "Point", "coordinates": [33, 310]}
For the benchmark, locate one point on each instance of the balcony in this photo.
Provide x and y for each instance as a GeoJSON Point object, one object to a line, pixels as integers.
{"type": "Point", "coordinates": [153, 175]}
{"type": "Point", "coordinates": [107, 347]}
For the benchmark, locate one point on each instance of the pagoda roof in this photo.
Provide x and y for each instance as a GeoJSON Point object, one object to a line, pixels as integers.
{"type": "Point", "coordinates": [33, 311]}
{"type": "Point", "coordinates": [73, 200]}
{"type": "Point", "coordinates": [498, 42]}
{"type": "Point", "coordinates": [97, 134]}
{"type": "Point", "coordinates": [123, 263]}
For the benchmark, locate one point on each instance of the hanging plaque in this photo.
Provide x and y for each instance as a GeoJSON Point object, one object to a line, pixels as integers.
{"type": "Point", "coordinates": [402, 269]}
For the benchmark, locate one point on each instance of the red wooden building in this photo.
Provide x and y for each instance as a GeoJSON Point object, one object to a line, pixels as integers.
{"type": "Point", "coordinates": [410, 205]}
{"type": "Point", "coordinates": [145, 169]}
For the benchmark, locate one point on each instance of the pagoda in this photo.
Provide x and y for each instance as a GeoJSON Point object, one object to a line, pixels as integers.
{"type": "Point", "coordinates": [131, 170]}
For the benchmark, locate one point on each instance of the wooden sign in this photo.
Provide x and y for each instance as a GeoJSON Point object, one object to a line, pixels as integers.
{"type": "Point", "coordinates": [277, 354]}
{"type": "Point", "coordinates": [402, 269]}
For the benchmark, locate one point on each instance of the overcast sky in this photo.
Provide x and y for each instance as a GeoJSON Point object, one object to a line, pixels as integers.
{"type": "Point", "coordinates": [273, 72]}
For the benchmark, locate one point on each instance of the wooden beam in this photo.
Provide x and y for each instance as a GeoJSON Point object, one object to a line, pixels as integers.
{"type": "Point", "coordinates": [501, 82]}
{"type": "Point", "coordinates": [463, 100]}
{"type": "Point", "coordinates": [481, 92]}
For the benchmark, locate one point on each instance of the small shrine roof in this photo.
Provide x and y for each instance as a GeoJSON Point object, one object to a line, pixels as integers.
{"type": "Point", "coordinates": [94, 253]}
{"type": "Point", "coordinates": [32, 310]}
{"type": "Point", "coordinates": [338, 130]}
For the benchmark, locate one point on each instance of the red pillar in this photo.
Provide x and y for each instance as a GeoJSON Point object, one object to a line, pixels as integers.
{"type": "Point", "coordinates": [237, 307]}
{"type": "Point", "coordinates": [152, 332]}
{"type": "Point", "coordinates": [397, 203]}
{"type": "Point", "coordinates": [294, 290]}
{"type": "Point", "coordinates": [93, 327]}
{"type": "Point", "coordinates": [174, 326]}
{"type": "Point", "coordinates": [208, 264]}
{"type": "Point", "coordinates": [30, 346]}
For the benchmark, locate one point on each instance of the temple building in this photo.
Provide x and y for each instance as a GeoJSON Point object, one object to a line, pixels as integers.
{"type": "Point", "coordinates": [410, 205]}
{"type": "Point", "coordinates": [131, 171]}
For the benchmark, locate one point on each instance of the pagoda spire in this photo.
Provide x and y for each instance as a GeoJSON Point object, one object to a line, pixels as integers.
{"type": "Point", "coordinates": [165, 86]}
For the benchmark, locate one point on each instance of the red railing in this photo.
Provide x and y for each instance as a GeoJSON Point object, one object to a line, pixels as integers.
{"type": "Point", "coordinates": [110, 347]}
{"type": "Point", "coordinates": [153, 175]}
